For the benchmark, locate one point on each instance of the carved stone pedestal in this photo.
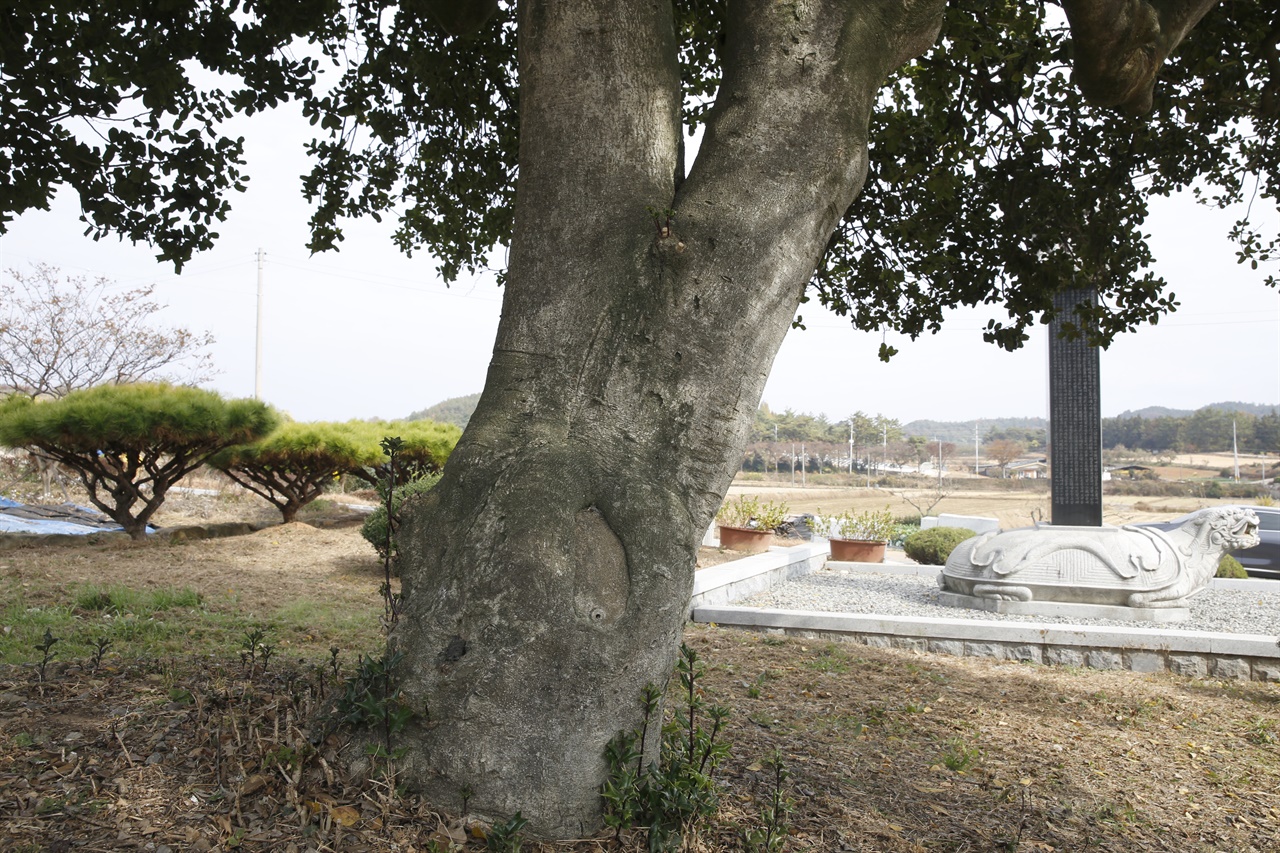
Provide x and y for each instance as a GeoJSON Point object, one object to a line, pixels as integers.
{"type": "Point", "coordinates": [1122, 613]}
{"type": "Point", "coordinates": [1130, 573]}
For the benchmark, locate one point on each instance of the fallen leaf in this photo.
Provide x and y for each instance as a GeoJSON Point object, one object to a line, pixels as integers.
{"type": "Point", "coordinates": [345, 815]}
{"type": "Point", "coordinates": [254, 783]}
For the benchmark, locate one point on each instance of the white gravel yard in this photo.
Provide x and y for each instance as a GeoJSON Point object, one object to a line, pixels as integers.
{"type": "Point", "coordinates": [866, 592]}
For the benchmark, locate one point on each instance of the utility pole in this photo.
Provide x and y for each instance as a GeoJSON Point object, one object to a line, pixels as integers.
{"type": "Point", "coordinates": [257, 352]}
{"type": "Point", "coordinates": [976, 424]}
{"type": "Point", "coordinates": [884, 446]}
{"type": "Point", "coordinates": [939, 464]}
{"type": "Point", "coordinates": [793, 463]}
{"type": "Point", "coordinates": [850, 444]}
{"type": "Point", "coordinates": [803, 459]}
{"type": "Point", "coordinates": [1235, 453]}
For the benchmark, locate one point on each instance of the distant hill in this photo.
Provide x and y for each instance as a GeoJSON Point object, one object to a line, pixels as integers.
{"type": "Point", "coordinates": [961, 432]}
{"type": "Point", "coordinates": [1162, 412]}
{"type": "Point", "coordinates": [455, 410]}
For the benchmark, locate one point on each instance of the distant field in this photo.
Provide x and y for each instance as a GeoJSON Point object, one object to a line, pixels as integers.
{"type": "Point", "coordinates": [1012, 509]}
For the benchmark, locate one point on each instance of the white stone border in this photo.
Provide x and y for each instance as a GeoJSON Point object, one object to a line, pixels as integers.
{"type": "Point", "coordinates": [738, 579]}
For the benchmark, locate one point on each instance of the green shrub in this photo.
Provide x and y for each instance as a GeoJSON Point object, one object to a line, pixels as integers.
{"type": "Point", "coordinates": [1229, 567]}
{"type": "Point", "coordinates": [750, 512]}
{"type": "Point", "coordinates": [902, 530]}
{"type": "Point", "coordinates": [932, 547]}
{"type": "Point", "coordinates": [375, 526]}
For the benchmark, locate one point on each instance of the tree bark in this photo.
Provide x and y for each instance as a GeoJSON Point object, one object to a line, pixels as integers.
{"type": "Point", "coordinates": [547, 577]}
{"type": "Point", "coordinates": [1120, 45]}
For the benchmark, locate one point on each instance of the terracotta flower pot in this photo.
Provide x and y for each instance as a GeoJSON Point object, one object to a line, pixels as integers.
{"type": "Point", "coordinates": [748, 540]}
{"type": "Point", "coordinates": [857, 550]}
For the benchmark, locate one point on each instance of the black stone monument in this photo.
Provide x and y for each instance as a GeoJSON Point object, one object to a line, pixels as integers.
{"type": "Point", "coordinates": [1075, 420]}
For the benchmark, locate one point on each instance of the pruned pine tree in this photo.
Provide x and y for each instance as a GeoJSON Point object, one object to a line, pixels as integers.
{"type": "Point", "coordinates": [293, 465]}
{"type": "Point", "coordinates": [425, 449]}
{"type": "Point", "coordinates": [130, 443]}
{"type": "Point", "coordinates": [547, 576]}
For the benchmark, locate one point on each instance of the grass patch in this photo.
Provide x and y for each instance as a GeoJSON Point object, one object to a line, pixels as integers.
{"type": "Point", "coordinates": [117, 600]}
{"type": "Point", "coordinates": [830, 659]}
{"type": "Point", "coordinates": [106, 622]}
{"type": "Point", "coordinates": [325, 624]}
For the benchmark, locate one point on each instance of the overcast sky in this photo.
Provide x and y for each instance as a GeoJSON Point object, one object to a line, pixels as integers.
{"type": "Point", "coordinates": [367, 332]}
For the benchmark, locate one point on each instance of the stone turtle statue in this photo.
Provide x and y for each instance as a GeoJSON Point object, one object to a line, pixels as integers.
{"type": "Point", "coordinates": [1126, 566]}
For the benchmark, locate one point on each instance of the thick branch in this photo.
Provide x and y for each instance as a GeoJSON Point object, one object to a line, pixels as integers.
{"type": "Point", "coordinates": [1121, 44]}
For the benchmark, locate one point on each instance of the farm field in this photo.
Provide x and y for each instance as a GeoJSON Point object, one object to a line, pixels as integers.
{"type": "Point", "coordinates": [1012, 508]}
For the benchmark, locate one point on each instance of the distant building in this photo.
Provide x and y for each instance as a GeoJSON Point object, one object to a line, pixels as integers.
{"type": "Point", "coordinates": [1030, 469]}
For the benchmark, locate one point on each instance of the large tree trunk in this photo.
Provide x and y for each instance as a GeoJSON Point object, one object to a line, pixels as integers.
{"type": "Point", "coordinates": [547, 577]}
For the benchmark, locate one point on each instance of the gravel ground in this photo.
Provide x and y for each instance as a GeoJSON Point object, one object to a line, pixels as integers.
{"type": "Point", "coordinates": [845, 591]}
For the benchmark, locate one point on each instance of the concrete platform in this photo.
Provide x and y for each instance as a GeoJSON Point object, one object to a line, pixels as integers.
{"type": "Point", "coordinates": [1197, 654]}
{"type": "Point", "coordinates": [743, 578]}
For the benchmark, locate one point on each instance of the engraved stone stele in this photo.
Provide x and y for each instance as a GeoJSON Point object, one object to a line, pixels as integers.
{"type": "Point", "coordinates": [1130, 573]}
{"type": "Point", "coordinates": [1075, 418]}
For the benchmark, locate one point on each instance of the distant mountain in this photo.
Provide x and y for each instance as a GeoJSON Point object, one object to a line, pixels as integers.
{"type": "Point", "coordinates": [1162, 412]}
{"type": "Point", "coordinates": [455, 410]}
{"type": "Point", "coordinates": [961, 432]}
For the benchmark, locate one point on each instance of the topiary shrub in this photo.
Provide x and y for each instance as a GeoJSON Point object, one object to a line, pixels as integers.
{"type": "Point", "coordinates": [374, 528]}
{"type": "Point", "coordinates": [130, 444]}
{"type": "Point", "coordinates": [932, 547]}
{"type": "Point", "coordinates": [1229, 567]}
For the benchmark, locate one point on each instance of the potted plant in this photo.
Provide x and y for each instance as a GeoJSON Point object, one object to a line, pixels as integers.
{"type": "Point", "coordinates": [747, 525]}
{"type": "Point", "coordinates": [860, 537]}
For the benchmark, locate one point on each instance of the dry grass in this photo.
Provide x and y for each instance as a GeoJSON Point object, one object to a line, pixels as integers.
{"type": "Point", "coordinates": [891, 751]}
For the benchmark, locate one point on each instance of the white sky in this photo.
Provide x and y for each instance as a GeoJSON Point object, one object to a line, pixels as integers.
{"type": "Point", "coordinates": [368, 333]}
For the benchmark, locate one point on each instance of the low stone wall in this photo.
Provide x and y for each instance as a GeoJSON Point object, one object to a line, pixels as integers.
{"type": "Point", "coordinates": [734, 581]}
{"type": "Point", "coordinates": [1192, 653]}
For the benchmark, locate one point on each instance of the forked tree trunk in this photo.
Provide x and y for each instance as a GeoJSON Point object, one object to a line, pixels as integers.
{"type": "Point", "coordinates": [547, 577]}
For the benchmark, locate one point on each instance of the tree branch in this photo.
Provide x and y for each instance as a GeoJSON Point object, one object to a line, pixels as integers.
{"type": "Point", "coordinates": [1121, 44]}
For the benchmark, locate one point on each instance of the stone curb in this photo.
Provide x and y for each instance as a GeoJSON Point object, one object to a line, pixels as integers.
{"type": "Point", "coordinates": [739, 579]}
{"type": "Point", "coordinates": [1194, 653]}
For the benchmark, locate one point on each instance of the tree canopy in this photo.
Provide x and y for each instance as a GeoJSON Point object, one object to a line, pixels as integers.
{"type": "Point", "coordinates": [292, 466]}
{"type": "Point", "coordinates": [422, 125]}
{"type": "Point", "coordinates": [994, 180]}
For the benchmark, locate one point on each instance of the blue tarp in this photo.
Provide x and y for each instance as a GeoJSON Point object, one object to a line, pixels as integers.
{"type": "Point", "coordinates": [16, 517]}
{"type": "Point", "coordinates": [12, 524]}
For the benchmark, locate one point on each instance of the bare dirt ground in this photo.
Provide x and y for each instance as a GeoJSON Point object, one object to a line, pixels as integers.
{"type": "Point", "coordinates": [889, 750]}
{"type": "Point", "coordinates": [256, 571]}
